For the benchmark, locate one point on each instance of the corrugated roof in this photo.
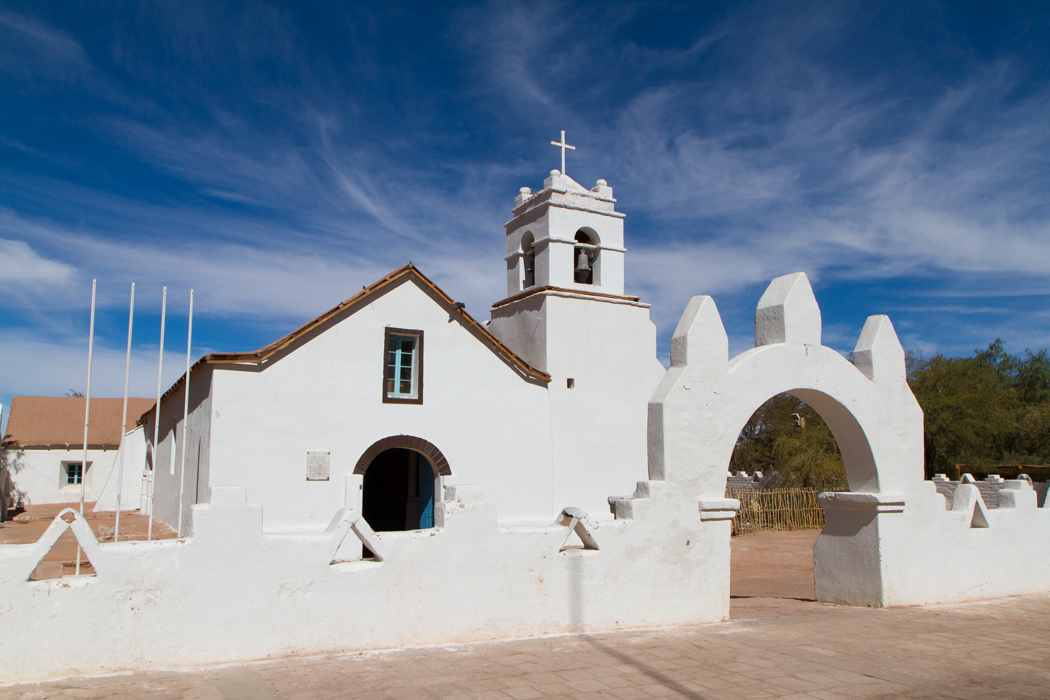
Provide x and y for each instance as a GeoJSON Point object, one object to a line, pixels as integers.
{"type": "Point", "coordinates": [39, 421]}
{"type": "Point", "coordinates": [263, 354]}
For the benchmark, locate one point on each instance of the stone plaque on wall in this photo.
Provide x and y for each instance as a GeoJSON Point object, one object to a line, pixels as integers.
{"type": "Point", "coordinates": [318, 466]}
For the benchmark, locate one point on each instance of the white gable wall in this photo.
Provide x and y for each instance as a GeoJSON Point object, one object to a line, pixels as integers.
{"type": "Point", "coordinates": [491, 425]}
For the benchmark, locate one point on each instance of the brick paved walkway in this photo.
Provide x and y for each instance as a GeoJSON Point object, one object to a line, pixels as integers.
{"type": "Point", "coordinates": [773, 648]}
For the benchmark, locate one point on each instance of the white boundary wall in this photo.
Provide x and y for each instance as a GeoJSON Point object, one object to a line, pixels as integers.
{"type": "Point", "coordinates": [232, 593]}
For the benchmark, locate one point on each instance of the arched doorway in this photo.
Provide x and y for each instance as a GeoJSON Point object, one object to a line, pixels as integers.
{"type": "Point", "coordinates": [402, 481]}
{"type": "Point", "coordinates": [398, 491]}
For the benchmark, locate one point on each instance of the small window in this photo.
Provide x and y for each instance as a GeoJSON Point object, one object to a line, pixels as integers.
{"type": "Point", "coordinates": [73, 473]}
{"type": "Point", "coordinates": [403, 366]}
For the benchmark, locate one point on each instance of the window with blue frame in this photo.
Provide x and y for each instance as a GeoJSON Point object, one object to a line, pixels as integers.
{"type": "Point", "coordinates": [403, 366]}
{"type": "Point", "coordinates": [72, 472]}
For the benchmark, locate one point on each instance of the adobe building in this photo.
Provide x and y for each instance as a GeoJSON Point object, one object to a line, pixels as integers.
{"type": "Point", "coordinates": [43, 448]}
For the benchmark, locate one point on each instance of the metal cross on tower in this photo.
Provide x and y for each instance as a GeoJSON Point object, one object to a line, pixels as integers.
{"type": "Point", "coordinates": [564, 147]}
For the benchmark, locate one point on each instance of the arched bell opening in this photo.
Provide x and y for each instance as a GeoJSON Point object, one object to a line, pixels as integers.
{"type": "Point", "coordinates": [585, 257]}
{"type": "Point", "coordinates": [528, 261]}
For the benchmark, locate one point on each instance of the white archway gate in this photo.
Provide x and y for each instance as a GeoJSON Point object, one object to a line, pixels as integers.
{"type": "Point", "coordinates": [892, 539]}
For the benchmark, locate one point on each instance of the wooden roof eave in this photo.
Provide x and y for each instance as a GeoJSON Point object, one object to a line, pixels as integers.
{"type": "Point", "coordinates": [71, 447]}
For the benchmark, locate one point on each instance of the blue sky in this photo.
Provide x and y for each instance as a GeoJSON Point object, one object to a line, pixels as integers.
{"type": "Point", "coordinates": [278, 157]}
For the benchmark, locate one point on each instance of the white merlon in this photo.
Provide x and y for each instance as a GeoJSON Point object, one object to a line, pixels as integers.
{"type": "Point", "coordinates": [879, 354]}
{"type": "Point", "coordinates": [700, 338]}
{"type": "Point", "coordinates": [788, 313]}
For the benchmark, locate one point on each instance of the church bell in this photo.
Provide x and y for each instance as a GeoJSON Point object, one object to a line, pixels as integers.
{"type": "Point", "coordinates": [583, 267]}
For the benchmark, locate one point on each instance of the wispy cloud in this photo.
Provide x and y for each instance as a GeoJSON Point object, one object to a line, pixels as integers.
{"type": "Point", "coordinates": [22, 266]}
{"type": "Point", "coordinates": [35, 40]}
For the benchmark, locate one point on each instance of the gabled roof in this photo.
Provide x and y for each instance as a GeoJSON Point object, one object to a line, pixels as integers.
{"type": "Point", "coordinates": [408, 271]}
{"type": "Point", "coordinates": [58, 421]}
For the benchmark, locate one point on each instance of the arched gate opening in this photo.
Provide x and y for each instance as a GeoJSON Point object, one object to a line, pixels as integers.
{"type": "Point", "coordinates": [785, 456]}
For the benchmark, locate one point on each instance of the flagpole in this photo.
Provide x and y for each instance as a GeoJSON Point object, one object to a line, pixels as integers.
{"type": "Point", "coordinates": [87, 410]}
{"type": "Point", "coordinates": [185, 418]}
{"type": "Point", "coordinates": [124, 421]}
{"type": "Point", "coordinates": [156, 420]}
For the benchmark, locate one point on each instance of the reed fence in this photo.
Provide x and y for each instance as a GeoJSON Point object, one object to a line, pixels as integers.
{"type": "Point", "coordinates": [776, 509]}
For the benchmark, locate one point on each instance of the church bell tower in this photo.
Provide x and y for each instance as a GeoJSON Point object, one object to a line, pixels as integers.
{"type": "Point", "coordinates": [566, 313]}
{"type": "Point", "coordinates": [565, 237]}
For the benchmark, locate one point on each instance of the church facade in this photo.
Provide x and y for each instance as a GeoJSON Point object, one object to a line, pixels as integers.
{"type": "Point", "coordinates": [382, 402]}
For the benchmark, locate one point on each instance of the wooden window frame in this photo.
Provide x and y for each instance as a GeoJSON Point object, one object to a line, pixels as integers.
{"type": "Point", "coordinates": [418, 369]}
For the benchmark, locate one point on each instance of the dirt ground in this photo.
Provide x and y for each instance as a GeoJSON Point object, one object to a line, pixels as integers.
{"type": "Point", "coordinates": [773, 565]}
{"type": "Point", "coordinates": [28, 526]}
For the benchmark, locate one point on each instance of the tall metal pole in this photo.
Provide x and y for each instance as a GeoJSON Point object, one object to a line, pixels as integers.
{"type": "Point", "coordinates": [87, 411]}
{"type": "Point", "coordinates": [124, 421]}
{"type": "Point", "coordinates": [185, 418]}
{"type": "Point", "coordinates": [156, 420]}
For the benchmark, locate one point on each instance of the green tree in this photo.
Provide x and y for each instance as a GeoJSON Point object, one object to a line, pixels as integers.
{"type": "Point", "coordinates": [787, 436]}
{"type": "Point", "coordinates": [982, 411]}
{"type": "Point", "coordinates": [809, 457]}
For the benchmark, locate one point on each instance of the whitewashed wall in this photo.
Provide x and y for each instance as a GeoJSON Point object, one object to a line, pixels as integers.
{"type": "Point", "coordinates": [37, 475]}
{"type": "Point", "coordinates": [172, 475]}
{"type": "Point", "coordinates": [608, 349]}
{"type": "Point", "coordinates": [914, 551]}
{"type": "Point", "coordinates": [231, 593]}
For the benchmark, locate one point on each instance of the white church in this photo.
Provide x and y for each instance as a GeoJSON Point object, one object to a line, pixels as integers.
{"type": "Point", "coordinates": [382, 402]}
{"type": "Point", "coordinates": [395, 473]}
